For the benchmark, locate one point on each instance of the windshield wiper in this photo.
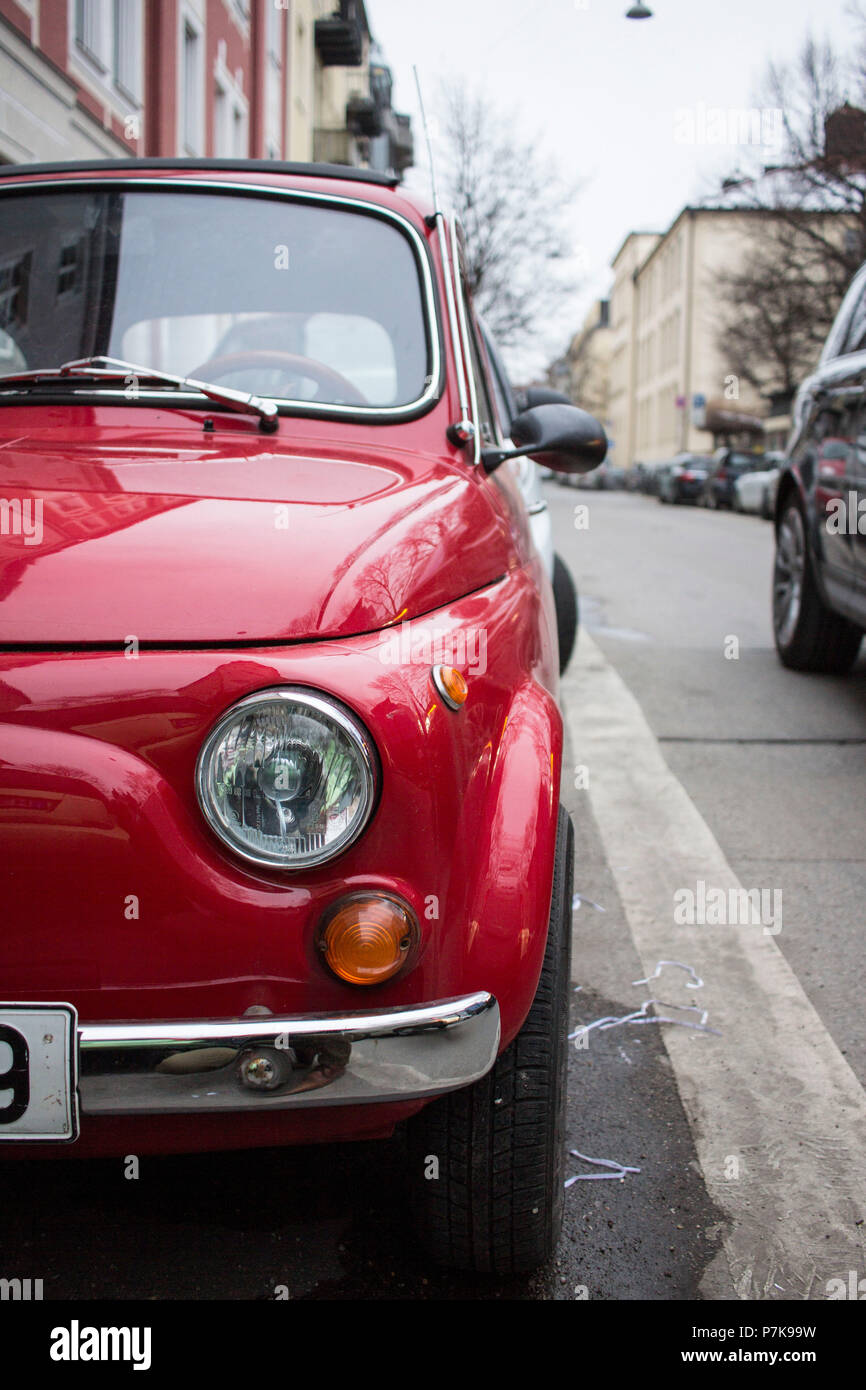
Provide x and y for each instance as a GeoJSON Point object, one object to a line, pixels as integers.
{"type": "Point", "coordinates": [115, 369]}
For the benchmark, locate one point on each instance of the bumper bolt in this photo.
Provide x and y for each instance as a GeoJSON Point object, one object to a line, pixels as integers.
{"type": "Point", "coordinates": [264, 1070]}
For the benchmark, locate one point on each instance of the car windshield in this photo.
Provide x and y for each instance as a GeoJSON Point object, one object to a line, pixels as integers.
{"type": "Point", "coordinates": [293, 300]}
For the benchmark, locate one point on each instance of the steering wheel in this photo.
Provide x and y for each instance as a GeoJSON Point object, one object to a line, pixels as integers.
{"type": "Point", "coordinates": [217, 367]}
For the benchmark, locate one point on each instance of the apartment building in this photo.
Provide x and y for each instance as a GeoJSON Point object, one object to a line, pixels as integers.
{"type": "Point", "coordinates": [583, 373]}
{"type": "Point", "coordinates": [623, 345]}
{"type": "Point", "coordinates": [265, 79]}
{"type": "Point", "coordinates": [671, 388]}
{"type": "Point", "coordinates": [684, 390]}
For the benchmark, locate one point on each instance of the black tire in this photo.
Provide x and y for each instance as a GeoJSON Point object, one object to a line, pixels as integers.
{"type": "Point", "coordinates": [496, 1206]}
{"type": "Point", "coordinates": [809, 636]}
{"type": "Point", "coordinates": [565, 598]}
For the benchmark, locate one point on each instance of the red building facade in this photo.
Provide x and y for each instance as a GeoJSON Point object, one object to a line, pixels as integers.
{"type": "Point", "coordinates": [220, 78]}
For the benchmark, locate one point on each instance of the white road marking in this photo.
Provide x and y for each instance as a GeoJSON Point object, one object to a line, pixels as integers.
{"type": "Point", "coordinates": [777, 1115]}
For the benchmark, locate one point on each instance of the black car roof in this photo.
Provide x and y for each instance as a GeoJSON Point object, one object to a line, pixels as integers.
{"type": "Point", "coordinates": [348, 172]}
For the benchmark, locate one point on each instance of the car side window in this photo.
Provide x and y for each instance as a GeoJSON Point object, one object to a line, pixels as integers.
{"type": "Point", "coordinates": [482, 387]}
{"type": "Point", "coordinates": [483, 393]}
{"type": "Point", "coordinates": [849, 326]}
{"type": "Point", "coordinates": [503, 394]}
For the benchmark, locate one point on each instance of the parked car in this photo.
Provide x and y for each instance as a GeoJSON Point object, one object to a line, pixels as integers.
{"type": "Point", "coordinates": [755, 490]}
{"type": "Point", "coordinates": [606, 478]}
{"type": "Point", "coordinates": [566, 481]}
{"type": "Point", "coordinates": [727, 466]}
{"type": "Point", "coordinates": [819, 575]}
{"type": "Point", "coordinates": [283, 855]}
{"type": "Point", "coordinates": [683, 479]}
{"type": "Point", "coordinates": [633, 480]}
{"type": "Point", "coordinates": [613, 478]}
{"type": "Point", "coordinates": [639, 475]}
{"type": "Point", "coordinates": [650, 475]}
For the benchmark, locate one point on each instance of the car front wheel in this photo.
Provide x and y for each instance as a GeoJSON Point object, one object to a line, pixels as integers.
{"type": "Point", "coordinates": [809, 635]}
{"type": "Point", "coordinates": [495, 1202]}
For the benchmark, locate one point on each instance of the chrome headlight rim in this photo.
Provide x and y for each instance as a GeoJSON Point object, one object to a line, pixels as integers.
{"type": "Point", "coordinates": [351, 726]}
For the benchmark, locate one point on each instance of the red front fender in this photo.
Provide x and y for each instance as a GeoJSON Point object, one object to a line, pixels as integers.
{"type": "Point", "coordinates": [509, 845]}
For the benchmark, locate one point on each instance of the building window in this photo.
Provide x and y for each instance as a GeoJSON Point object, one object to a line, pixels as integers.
{"type": "Point", "coordinates": [127, 48]}
{"type": "Point", "coordinates": [238, 141]}
{"type": "Point", "coordinates": [191, 76]}
{"type": "Point", "coordinates": [107, 34]}
{"type": "Point", "coordinates": [230, 133]}
{"type": "Point", "coordinates": [91, 25]}
{"type": "Point", "coordinates": [275, 34]}
{"type": "Point", "coordinates": [230, 125]}
{"type": "Point", "coordinates": [220, 121]}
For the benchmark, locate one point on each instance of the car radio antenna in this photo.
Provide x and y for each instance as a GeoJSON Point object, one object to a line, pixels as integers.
{"type": "Point", "coordinates": [462, 433]}
{"type": "Point", "coordinates": [426, 128]}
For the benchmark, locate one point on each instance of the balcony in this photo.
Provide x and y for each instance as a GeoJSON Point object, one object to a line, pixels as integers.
{"type": "Point", "coordinates": [363, 116]}
{"type": "Point", "coordinates": [402, 144]}
{"type": "Point", "coordinates": [340, 39]}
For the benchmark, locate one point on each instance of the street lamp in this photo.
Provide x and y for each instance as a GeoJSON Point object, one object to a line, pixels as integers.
{"type": "Point", "coordinates": [639, 11]}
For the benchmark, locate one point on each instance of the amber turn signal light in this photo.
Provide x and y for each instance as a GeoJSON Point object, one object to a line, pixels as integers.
{"type": "Point", "coordinates": [451, 685]}
{"type": "Point", "coordinates": [368, 938]}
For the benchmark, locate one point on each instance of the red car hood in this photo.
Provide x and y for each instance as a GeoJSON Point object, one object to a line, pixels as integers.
{"type": "Point", "coordinates": [221, 543]}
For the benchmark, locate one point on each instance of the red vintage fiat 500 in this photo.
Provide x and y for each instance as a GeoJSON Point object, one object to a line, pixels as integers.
{"type": "Point", "coordinates": [283, 859]}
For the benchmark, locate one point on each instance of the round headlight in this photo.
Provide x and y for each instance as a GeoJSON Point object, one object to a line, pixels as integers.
{"type": "Point", "coordinates": [287, 778]}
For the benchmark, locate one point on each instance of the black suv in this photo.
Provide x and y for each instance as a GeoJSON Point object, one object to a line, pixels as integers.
{"type": "Point", "coordinates": [819, 578]}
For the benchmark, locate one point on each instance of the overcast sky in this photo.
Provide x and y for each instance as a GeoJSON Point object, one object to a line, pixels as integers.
{"type": "Point", "coordinates": [605, 94]}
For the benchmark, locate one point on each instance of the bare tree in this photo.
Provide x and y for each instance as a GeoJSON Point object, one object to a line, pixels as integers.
{"type": "Point", "coordinates": [515, 209]}
{"type": "Point", "coordinates": [776, 308]}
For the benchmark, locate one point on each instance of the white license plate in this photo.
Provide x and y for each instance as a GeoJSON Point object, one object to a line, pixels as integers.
{"type": "Point", "coordinates": [38, 1072]}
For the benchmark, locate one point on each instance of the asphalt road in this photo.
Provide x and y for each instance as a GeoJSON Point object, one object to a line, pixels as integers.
{"type": "Point", "coordinates": [705, 766]}
{"type": "Point", "coordinates": [773, 759]}
{"type": "Point", "coordinates": [758, 770]}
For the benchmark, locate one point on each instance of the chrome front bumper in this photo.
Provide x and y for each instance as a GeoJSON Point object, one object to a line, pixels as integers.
{"type": "Point", "coordinates": [272, 1063]}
